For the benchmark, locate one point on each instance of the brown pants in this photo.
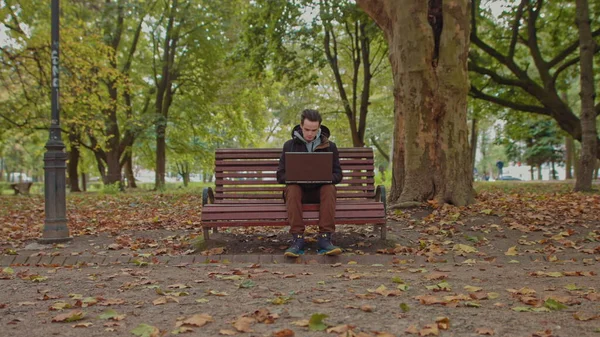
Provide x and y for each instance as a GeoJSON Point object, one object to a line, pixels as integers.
{"type": "Point", "coordinates": [324, 195]}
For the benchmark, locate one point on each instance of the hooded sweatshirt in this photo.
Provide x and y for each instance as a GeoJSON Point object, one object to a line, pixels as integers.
{"type": "Point", "coordinates": [320, 144]}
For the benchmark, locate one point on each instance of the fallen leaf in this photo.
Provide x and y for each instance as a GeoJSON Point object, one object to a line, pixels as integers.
{"type": "Point", "coordinates": [243, 324]}
{"type": "Point", "coordinates": [315, 323]}
{"type": "Point", "coordinates": [182, 329]}
{"type": "Point", "coordinates": [552, 304]}
{"type": "Point", "coordinates": [71, 316]}
{"type": "Point", "coordinates": [320, 301]}
{"type": "Point", "coordinates": [111, 314]}
{"type": "Point", "coordinates": [145, 330]}
{"type": "Point", "coordinates": [472, 289]}
{"type": "Point", "coordinates": [412, 329]}
{"type": "Point", "coordinates": [227, 332]}
{"type": "Point", "coordinates": [462, 249]}
{"type": "Point", "coordinates": [429, 330]}
{"type": "Point", "coordinates": [583, 316]}
{"type": "Point", "coordinates": [164, 300]}
{"type": "Point", "coordinates": [178, 286]}
{"type": "Point", "coordinates": [198, 320]}
{"type": "Point", "coordinates": [443, 323]}
{"type": "Point", "coordinates": [339, 329]}
{"type": "Point", "coordinates": [436, 276]}
{"type": "Point", "coordinates": [366, 308]}
{"type": "Point", "coordinates": [82, 325]}
{"type": "Point", "coordinates": [512, 251]}
{"type": "Point", "coordinates": [284, 333]}
{"type": "Point", "coordinates": [484, 331]}
{"type": "Point", "coordinates": [428, 299]}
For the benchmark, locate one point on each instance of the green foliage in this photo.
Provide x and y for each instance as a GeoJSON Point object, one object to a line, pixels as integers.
{"type": "Point", "coordinates": [112, 188]}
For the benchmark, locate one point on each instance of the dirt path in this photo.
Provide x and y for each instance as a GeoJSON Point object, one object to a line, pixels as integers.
{"type": "Point", "coordinates": [473, 298]}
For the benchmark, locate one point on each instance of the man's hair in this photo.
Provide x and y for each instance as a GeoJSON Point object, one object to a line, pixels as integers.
{"type": "Point", "coordinates": [311, 115]}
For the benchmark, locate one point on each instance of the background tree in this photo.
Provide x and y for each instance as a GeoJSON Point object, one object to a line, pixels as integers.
{"type": "Point", "coordinates": [428, 43]}
{"type": "Point", "coordinates": [589, 144]}
{"type": "Point", "coordinates": [523, 63]}
{"type": "Point", "coordinates": [298, 38]}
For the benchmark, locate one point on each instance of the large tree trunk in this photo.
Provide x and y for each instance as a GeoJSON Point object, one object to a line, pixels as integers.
{"type": "Point", "coordinates": [428, 43]}
{"type": "Point", "coordinates": [589, 134]}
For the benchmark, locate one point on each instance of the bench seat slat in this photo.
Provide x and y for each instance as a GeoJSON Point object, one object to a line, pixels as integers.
{"type": "Point", "coordinates": [275, 195]}
{"type": "Point", "coordinates": [340, 206]}
{"type": "Point", "coordinates": [269, 174]}
{"type": "Point", "coordinates": [279, 215]}
{"type": "Point", "coordinates": [262, 189]}
{"type": "Point", "coordinates": [350, 221]}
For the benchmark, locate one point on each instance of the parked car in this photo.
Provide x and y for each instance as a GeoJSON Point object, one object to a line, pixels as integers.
{"type": "Point", "coordinates": [508, 178]}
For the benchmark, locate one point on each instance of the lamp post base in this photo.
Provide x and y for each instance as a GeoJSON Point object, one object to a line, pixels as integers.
{"type": "Point", "coordinates": [50, 241]}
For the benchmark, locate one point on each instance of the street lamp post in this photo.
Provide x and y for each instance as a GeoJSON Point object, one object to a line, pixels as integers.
{"type": "Point", "coordinates": [55, 159]}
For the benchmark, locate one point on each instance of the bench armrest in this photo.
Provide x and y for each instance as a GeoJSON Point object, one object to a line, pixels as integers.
{"type": "Point", "coordinates": [380, 196]}
{"type": "Point", "coordinates": [208, 196]}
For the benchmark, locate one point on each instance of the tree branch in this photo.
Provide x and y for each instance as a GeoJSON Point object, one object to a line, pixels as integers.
{"type": "Point", "coordinates": [569, 50]}
{"type": "Point", "coordinates": [571, 62]}
{"type": "Point", "coordinates": [476, 93]}
{"type": "Point", "coordinates": [532, 43]}
{"type": "Point", "coordinates": [495, 77]}
{"type": "Point", "coordinates": [380, 149]}
{"type": "Point", "coordinates": [515, 29]}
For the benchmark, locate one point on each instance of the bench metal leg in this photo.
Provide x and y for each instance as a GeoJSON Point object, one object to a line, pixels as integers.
{"type": "Point", "coordinates": [382, 231]}
{"type": "Point", "coordinates": [205, 233]}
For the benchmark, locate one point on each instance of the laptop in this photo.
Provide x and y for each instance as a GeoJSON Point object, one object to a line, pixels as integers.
{"type": "Point", "coordinates": [308, 167]}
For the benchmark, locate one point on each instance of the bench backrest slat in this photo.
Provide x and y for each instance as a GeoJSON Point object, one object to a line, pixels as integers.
{"type": "Point", "coordinates": [249, 175]}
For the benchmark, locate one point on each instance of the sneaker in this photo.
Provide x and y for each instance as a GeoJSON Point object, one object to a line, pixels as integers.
{"type": "Point", "coordinates": [325, 247]}
{"type": "Point", "coordinates": [297, 247]}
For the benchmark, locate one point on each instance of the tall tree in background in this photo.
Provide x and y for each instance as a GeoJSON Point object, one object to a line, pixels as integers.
{"type": "Point", "coordinates": [589, 133]}
{"type": "Point", "coordinates": [524, 63]}
{"type": "Point", "coordinates": [428, 48]}
{"type": "Point", "coordinates": [339, 35]}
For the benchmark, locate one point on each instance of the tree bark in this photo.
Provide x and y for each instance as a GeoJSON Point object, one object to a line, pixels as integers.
{"type": "Point", "coordinates": [73, 162]}
{"type": "Point", "coordinates": [588, 114]}
{"type": "Point", "coordinates": [84, 182]}
{"type": "Point", "coordinates": [473, 142]}
{"type": "Point", "coordinates": [128, 166]}
{"type": "Point", "coordinates": [569, 149]}
{"type": "Point", "coordinates": [428, 46]}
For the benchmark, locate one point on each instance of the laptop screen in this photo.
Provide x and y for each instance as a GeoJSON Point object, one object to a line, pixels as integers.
{"type": "Point", "coordinates": [308, 167]}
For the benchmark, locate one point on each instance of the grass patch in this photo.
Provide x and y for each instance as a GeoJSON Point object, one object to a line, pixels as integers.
{"type": "Point", "coordinates": [524, 187]}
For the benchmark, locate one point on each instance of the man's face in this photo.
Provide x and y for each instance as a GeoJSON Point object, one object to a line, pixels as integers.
{"type": "Point", "coordinates": [309, 129]}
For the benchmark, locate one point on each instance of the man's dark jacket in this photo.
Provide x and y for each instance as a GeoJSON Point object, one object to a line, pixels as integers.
{"type": "Point", "coordinates": [297, 145]}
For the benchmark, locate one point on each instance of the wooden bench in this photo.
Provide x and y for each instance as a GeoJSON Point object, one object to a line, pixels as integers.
{"type": "Point", "coordinates": [247, 192]}
{"type": "Point", "coordinates": [22, 188]}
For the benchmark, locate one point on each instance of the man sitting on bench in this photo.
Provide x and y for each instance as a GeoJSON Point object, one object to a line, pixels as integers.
{"type": "Point", "coordinates": [310, 136]}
